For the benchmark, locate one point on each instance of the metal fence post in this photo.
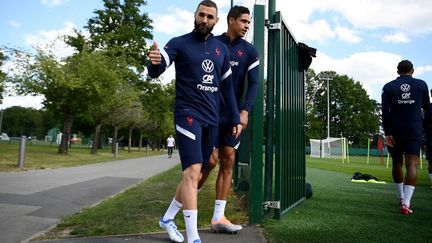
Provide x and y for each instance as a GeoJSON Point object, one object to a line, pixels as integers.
{"type": "Point", "coordinates": [116, 150]}
{"type": "Point", "coordinates": [270, 111]}
{"type": "Point", "coordinates": [22, 151]}
{"type": "Point", "coordinates": [256, 165]}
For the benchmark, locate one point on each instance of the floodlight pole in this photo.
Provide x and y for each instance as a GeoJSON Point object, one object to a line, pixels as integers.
{"type": "Point", "coordinates": [328, 108]}
{"type": "Point", "coordinates": [327, 78]}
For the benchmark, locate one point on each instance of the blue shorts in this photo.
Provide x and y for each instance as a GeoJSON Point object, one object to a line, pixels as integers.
{"type": "Point", "coordinates": [227, 139]}
{"type": "Point", "coordinates": [405, 146]}
{"type": "Point", "coordinates": [195, 140]}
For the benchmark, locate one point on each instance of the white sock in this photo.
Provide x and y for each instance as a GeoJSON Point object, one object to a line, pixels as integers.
{"type": "Point", "coordinates": [430, 176]}
{"type": "Point", "coordinates": [408, 192]}
{"type": "Point", "coordinates": [219, 209]}
{"type": "Point", "coordinates": [172, 210]}
{"type": "Point", "coordinates": [399, 190]}
{"type": "Point", "coordinates": [191, 218]}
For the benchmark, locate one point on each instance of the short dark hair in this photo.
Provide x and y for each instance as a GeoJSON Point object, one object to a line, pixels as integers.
{"type": "Point", "coordinates": [405, 66]}
{"type": "Point", "coordinates": [236, 11]}
{"type": "Point", "coordinates": [208, 3]}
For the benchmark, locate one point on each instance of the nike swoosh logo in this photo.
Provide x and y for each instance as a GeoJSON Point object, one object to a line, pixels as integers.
{"type": "Point", "coordinates": [187, 216]}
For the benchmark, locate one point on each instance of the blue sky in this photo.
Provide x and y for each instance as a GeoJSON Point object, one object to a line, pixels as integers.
{"type": "Point", "coordinates": [363, 39]}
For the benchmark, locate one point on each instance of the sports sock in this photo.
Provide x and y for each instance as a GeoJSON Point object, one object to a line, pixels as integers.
{"type": "Point", "coordinates": [408, 192]}
{"type": "Point", "coordinates": [399, 190]}
{"type": "Point", "coordinates": [191, 218]}
{"type": "Point", "coordinates": [219, 209]}
{"type": "Point", "coordinates": [172, 210]}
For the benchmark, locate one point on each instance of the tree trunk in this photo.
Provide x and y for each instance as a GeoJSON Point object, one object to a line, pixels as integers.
{"type": "Point", "coordinates": [96, 139]}
{"type": "Point", "coordinates": [114, 140]}
{"type": "Point", "coordinates": [130, 140]}
{"type": "Point", "coordinates": [65, 139]}
{"type": "Point", "coordinates": [140, 142]}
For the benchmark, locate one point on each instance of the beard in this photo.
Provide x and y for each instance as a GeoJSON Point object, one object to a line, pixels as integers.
{"type": "Point", "coordinates": [203, 30]}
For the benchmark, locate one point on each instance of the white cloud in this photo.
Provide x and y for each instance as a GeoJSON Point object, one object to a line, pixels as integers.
{"type": "Point", "coordinates": [411, 17]}
{"type": "Point", "coordinates": [223, 3]}
{"type": "Point", "coordinates": [52, 40]}
{"type": "Point", "coordinates": [318, 31]}
{"type": "Point", "coordinates": [396, 38]}
{"type": "Point", "coordinates": [179, 21]}
{"type": "Point", "coordinates": [347, 35]}
{"type": "Point", "coordinates": [372, 69]}
{"type": "Point", "coordinates": [175, 21]}
{"type": "Point", "coordinates": [23, 101]}
{"type": "Point", "coordinates": [53, 3]}
{"type": "Point", "coordinates": [14, 23]}
{"type": "Point", "coordinates": [422, 70]}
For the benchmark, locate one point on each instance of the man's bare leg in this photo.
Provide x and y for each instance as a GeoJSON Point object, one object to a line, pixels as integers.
{"type": "Point", "coordinates": [223, 188]}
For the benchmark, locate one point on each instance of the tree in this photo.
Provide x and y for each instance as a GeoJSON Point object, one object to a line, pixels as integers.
{"type": "Point", "coordinates": [158, 101]}
{"type": "Point", "coordinates": [19, 121]}
{"type": "Point", "coordinates": [114, 110]}
{"type": "Point", "coordinates": [69, 86]}
{"type": "Point", "coordinates": [3, 75]}
{"type": "Point", "coordinates": [120, 29]}
{"type": "Point", "coordinates": [352, 113]}
{"type": "Point", "coordinates": [314, 123]}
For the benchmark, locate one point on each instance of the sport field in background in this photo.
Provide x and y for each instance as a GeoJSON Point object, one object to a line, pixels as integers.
{"type": "Point", "coordinates": [343, 211]}
{"type": "Point", "coordinates": [359, 164]}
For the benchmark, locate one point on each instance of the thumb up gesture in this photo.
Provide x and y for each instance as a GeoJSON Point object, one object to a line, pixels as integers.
{"type": "Point", "coordinates": [154, 54]}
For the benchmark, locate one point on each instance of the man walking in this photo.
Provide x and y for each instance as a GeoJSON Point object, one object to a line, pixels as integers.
{"type": "Point", "coordinates": [170, 145]}
{"type": "Point", "coordinates": [403, 100]}
{"type": "Point", "coordinates": [244, 62]}
{"type": "Point", "coordinates": [203, 78]}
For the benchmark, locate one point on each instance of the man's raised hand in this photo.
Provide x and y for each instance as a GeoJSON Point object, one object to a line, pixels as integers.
{"type": "Point", "coordinates": [154, 54]}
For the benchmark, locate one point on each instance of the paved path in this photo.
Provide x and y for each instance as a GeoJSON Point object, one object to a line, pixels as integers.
{"type": "Point", "coordinates": [34, 201]}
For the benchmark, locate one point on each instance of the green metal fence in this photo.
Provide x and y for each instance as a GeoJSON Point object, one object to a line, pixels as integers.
{"type": "Point", "coordinates": [276, 181]}
{"type": "Point", "coordinates": [290, 169]}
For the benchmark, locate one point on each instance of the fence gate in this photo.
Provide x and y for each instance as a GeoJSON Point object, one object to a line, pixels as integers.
{"type": "Point", "coordinates": [290, 171]}
{"type": "Point", "coordinates": [275, 181]}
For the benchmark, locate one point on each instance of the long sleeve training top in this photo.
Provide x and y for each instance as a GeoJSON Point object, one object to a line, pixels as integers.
{"type": "Point", "coordinates": [402, 102]}
{"type": "Point", "coordinates": [203, 76]}
{"type": "Point", "coordinates": [244, 62]}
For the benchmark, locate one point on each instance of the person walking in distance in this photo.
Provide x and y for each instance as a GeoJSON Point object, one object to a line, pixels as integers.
{"type": "Point", "coordinates": [244, 62]}
{"type": "Point", "coordinates": [403, 101]}
{"type": "Point", "coordinates": [203, 79]}
{"type": "Point", "coordinates": [170, 145]}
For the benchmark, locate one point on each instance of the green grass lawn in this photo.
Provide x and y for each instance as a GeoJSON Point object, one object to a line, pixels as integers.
{"type": "Point", "coordinates": [339, 210]}
{"type": "Point", "coordinates": [343, 211]}
{"type": "Point", "coordinates": [359, 164]}
{"type": "Point", "coordinates": [138, 209]}
{"type": "Point", "coordinates": [43, 156]}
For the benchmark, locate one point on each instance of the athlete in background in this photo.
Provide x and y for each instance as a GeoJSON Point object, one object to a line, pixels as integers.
{"type": "Point", "coordinates": [403, 100]}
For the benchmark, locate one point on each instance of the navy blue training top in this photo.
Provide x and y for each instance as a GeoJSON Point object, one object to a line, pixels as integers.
{"type": "Point", "coordinates": [402, 102]}
{"type": "Point", "coordinates": [203, 75]}
{"type": "Point", "coordinates": [427, 124]}
{"type": "Point", "coordinates": [244, 62]}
